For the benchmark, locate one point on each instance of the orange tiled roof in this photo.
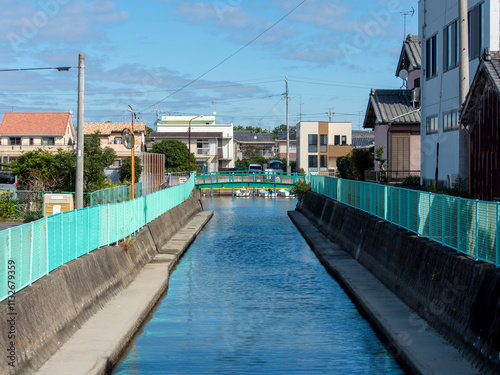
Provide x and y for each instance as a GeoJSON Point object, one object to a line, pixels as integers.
{"type": "Point", "coordinates": [108, 127]}
{"type": "Point", "coordinates": [35, 123]}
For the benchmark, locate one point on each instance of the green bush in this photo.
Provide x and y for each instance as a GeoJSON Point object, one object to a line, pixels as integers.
{"type": "Point", "coordinates": [301, 188]}
{"type": "Point", "coordinates": [7, 205]}
{"type": "Point", "coordinates": [411, 180]}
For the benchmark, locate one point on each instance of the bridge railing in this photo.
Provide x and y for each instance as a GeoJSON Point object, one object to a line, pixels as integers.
{"type": "Point", "coordinates": [30, 251]}
{"type": "Point", "coordinates": [248, 176]}
{"type": "Point", "coordinates": [466, 225]}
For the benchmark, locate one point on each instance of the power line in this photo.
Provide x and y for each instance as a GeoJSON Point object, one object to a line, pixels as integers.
{"type": "Point", "coordinates": [227, 58]}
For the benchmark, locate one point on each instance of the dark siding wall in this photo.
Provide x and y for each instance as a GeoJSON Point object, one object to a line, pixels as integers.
{"type": "Point", "coordinates": [484, 147]}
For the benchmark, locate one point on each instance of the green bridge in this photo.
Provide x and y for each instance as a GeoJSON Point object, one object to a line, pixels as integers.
{"type": "Point", "coordinates": [274, 180]}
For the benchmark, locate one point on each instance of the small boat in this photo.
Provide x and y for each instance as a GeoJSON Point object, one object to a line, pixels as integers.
{"type": "Point", "coordinates": [266, 192]}
{"type": "Point", "coordinates": [242, 193]}
{"type": "Point", "coordinates": [285, 193]}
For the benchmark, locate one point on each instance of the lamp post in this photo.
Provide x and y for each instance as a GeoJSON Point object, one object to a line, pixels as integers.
{"type": "Point", "coordinates": [133, 154]}
{"type": "Point", "coordinates": [189, 143]}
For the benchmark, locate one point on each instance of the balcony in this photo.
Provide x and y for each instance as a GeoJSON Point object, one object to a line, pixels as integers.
{"type": "Point", "coordinates": [17, 150]}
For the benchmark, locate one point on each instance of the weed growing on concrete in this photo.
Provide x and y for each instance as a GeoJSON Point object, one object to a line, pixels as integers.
{"type": "Point", "coordinates": [126, 244]}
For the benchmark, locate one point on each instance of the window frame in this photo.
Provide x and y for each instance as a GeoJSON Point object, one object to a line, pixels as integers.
{"type": "Point", "coordinates": [431, 56]}
{"type": "Point", "coordinates": [429, 129]}
{"type": "Point", "coordinates": [336, 140]}
{"type": "Point", "coordinates": [451, 46]}
{"type": "Point", "coordinates": [448, 119]}
{"type": "Point", "coordinates": [476, 34]}
{"type": "Point", "coordinates": [312, 163]}
{"type": "Point", "coordinates": [15, 141]}
{"type": "Point", "coordinates": [48, 141]}
{"type": "Point", "coordinates": [312, 143]}
{"type": "Point", "coordinates": [343, 141]}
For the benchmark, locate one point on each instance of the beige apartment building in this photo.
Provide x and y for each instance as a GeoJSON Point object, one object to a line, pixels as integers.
{"type": "Point", "coordinates": [27, 131]}
{"type": "Point", "coordinates": [320, 144]}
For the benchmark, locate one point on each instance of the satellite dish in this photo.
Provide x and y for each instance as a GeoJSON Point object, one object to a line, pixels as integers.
{"type": "Point", "coordinates": [403, 74]}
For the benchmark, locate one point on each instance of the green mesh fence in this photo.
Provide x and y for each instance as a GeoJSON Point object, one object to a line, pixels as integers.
{"type": "Point", "coordinates": [466, 225]}
{"type": "Point", "coordinates": [37, 248]}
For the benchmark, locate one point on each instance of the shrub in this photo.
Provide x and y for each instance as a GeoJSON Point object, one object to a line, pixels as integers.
{"type": "Point", "coordinates": [411, 180]}
{"type": "Point", "coordinates": [301, 188]}
{"type": "Point", "coordinates": [7, 205]}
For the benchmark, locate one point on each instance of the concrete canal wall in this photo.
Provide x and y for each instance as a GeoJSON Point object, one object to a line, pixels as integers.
{"type": "Point", "coordinates": [455, 294]}
{"type": "Point", "coordinates": [51, 310]}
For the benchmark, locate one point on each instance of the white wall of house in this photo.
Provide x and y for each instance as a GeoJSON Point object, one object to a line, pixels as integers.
{"type": "Point", "coordinates": [439, 93]}
{"type": "Point", "coordinates": [381, 141]}
{"type": "Point", "coordinates": [205, 124]}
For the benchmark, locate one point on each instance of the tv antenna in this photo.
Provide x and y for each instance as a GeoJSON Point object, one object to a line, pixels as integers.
{"type": "Point", "coordinates": [405, 14]}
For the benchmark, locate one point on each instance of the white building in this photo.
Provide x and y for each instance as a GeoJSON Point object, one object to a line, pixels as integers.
{"type": "Point", "coordinates": [319, 144]}
{"type": "Point", "coordinates": [438, 33]}
{"type": "Point", "coordinates": [211, 143]}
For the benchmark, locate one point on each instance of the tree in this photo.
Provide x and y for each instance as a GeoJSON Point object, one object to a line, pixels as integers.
{"type": "Point", "coordinates": [344, 168]}
{"type": "Point", "coordinates": [126, 169]}
{"type": "Point", "coordinates": [148, 132]}
{"type": "Point", "coordinates": [281, 128]}
{"type": "Point", "coordinates": [96, 159]}
{"type": "Point", "coordinates": [361, 161]}
{"type": "Point", "coordinates": [36, 170]}
{"type": "Point", "coordinates": [176, 155]}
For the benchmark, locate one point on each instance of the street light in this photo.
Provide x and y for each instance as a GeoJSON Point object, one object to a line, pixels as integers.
{"type": "Point", "coordinates": [133, 154]}
{"type": "Point", "coordinates": [189, 143]}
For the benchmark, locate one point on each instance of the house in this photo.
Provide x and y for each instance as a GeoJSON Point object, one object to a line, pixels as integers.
{"type": "Point", "coordinates": [292, 146]}
{"type": "Point", "coordinates": [394, 116]}
{"type": "Point", "coordinates": [480, 118]}
{"type": "Point", "coordinates": [396, 123]}
{"type": "Point", "coordinates": [440, 102]}
{"type": "Point", "coordinates": [320, 144]}
{"type": "Point", "coordinates": [110, 136]}
{"type": "Point", "coordinates": [27, 131]}
{"type": "Point", "coordinates": [211, 143]}
{"type": "Point", "coordinates": [249, 144]}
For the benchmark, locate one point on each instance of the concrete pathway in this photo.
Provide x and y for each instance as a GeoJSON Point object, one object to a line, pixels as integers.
{"type": "Point", "coordinates": [97, 346]}
{"type": "Point", "coordinates": [407, 337]}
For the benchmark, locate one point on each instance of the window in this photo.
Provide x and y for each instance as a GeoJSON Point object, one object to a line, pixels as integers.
{"type": "Point", "coordinates": [313, 163]}
{"type": "Point", "coordinates": [337, 140]}
{"type": "Point", "coordinates": [202, 147]}
{"type": "Point", "coordinates": [450, 120]}
{"type": "Point", "coordinates": [313, 143]}
{"type": "Point", "coordinates": [450, 46]}
{"type": "Point", "coordinates": [323, 163]}
{"type": "Point", "coordinates": [432, 124]}
{"type": "Point", "coordinates": [344, 140]}
{"type": "Point", "coordinates": [15, 141]}
{"type": "Point", "coordinates": [292, 146]}
{"type": "Point", "coordinates": [323, 142]}
{"type": "Point", "coordinates": [431, 61]}
{"type": "Point", "coordinates": [32, 141]}
{"type": "Point", "coordinates": [48, 141]}
{"type": "Point", "coordinates": [118, 141]}
{"type": "Point", "coordinates": [476, 34]}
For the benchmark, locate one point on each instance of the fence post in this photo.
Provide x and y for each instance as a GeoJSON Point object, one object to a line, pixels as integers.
{"type": "Point", "coordinates": [88, 229]}
{"type": "Point", "coordinates": [496, 237]}
{"type": "Point", "coordinates": [442, 220]}
{"type": "Point", "coordinates": [46, 225]}
{"type": "Point", "coordinates": [458, 226]}
{"type": "Point", "coordinates": [476, 250]}
{"type": "Point", "coordinates": [430, 216]}
{"type": "Point", "coordinates": [31, 250]}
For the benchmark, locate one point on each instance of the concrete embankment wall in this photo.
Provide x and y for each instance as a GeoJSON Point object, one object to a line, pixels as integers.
{"type": "Point", "coordinates": [48, 312]}
{"type": "Point", "coordinates": [456, 295]}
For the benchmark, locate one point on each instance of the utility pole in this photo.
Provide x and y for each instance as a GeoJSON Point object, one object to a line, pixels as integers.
{"type": "Point", "coordinates": [464, 140]}
{"type": "Point", "coordinates": [287, 131]}
{"type": "Point", "coordinates": [330, 115]}
{"type": "Point", "coordinates": [157, 114]}
{"type": "Point", "coordinates": [132, 160]}
{"type": "Point", "coordinates": [79, 132]}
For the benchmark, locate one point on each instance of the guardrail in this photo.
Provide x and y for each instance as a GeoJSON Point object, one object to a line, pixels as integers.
{"type": "Point", "coordinates": [248, 176]}
{"type": "Point", "coordinates": [33, 250]}
{"type": "Point", "coordinates": [114, 195]}
{"type": "Point", "coordinates": [466, 225]}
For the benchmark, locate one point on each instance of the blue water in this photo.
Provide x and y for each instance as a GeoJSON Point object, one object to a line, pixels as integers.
{"type": "Point", "coordinates": [250, 297]}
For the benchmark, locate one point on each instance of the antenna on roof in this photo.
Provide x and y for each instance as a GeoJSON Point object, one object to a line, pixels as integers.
{"type": "Point", "coordinates": [406, 13]}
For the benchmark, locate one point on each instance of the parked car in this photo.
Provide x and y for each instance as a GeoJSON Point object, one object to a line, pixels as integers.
{"type": "Point", "coordinates": [254, 168]}
{"type": "Point", "coordinates": [8, 183]}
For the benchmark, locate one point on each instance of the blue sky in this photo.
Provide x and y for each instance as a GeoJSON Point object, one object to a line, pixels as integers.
{"type": "Point", "coordinates": [197, 57]}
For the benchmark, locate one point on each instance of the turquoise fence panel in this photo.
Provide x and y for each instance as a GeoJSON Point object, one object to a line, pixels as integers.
{"type": "Point", "coordinates": [469, 226]}
{"type": "Point", "coordinates": [43, 245]}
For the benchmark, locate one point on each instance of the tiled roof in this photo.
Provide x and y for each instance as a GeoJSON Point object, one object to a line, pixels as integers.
{"type": "Point", "coordinates": [362, 138]}
{"type": "Point", "coordinates": [107, 128]}
{"type": "Point", "coordinates": [183, 135]}
{"type": "Point", "coordinates": [488, 70]}
{"type": "Point", "coordinates": [35, 123]}
{"type": "Point", "coordinates": [291, 137]}
{"type": "Point", "coordinates": [249, 136]}
{"type": "Point", "coordinates": [390, 106]}
{"type": "Point", "coordinates": [411, 55]}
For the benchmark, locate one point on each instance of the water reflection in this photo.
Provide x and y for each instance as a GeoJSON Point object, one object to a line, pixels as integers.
{"type": "Point", "coordinates": [250, 297]}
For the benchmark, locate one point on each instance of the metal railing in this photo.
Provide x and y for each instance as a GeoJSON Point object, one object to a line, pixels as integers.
{"type": "Point", "coordinates": [468, 226]}
{"type": "Point", "coordinates": [248, 176]}
{"type": "Point", "coordinates": [114, 195]}
{"type": "Point", "coordinates": [33, 250]}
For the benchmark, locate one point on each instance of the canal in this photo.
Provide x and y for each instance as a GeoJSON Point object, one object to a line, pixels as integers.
{"type": "Point", "coordinates": [250, 297]}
